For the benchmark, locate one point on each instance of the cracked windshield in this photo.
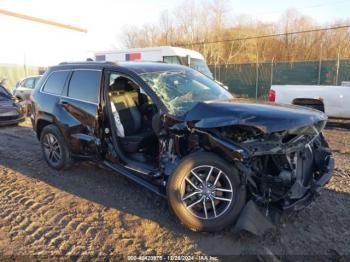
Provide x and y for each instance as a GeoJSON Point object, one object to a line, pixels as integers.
{"type": "Point", "coordinates": [181, 90]}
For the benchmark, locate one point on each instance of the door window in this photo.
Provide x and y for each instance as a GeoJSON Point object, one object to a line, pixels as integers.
{"type": "Point", "coordinates": [55, 83]}
{"type": "Point", "coordinates": [84, 85]}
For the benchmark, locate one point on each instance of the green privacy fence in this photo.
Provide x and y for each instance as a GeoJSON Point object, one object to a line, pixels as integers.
{"type": "Point", "coordinates": [14, 73]}
{"type": "Point", "coordinates": [254, 80]}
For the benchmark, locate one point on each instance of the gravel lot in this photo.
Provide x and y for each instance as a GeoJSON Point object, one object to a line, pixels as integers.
{"type": "Point", "coordinates": [92, 211]}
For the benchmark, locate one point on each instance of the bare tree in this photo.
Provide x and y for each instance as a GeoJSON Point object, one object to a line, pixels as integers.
{"type": "Point", "coordinates": [208, 21]}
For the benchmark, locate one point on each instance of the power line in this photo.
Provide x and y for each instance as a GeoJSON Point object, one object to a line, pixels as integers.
{"type": "Point", "coordinates": [264, 36]}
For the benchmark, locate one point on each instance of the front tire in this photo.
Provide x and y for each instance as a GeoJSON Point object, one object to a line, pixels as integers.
{"type": "Point", "coordinates": [205, 192]}
{"type": "Point", "coordinates": [54, 148]}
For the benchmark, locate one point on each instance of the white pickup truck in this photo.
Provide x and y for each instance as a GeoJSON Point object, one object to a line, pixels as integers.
{"type": "Point", "coordinates": [333, 100]}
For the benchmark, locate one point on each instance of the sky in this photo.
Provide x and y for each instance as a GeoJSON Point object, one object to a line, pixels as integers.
{"type": "Point", "coordinates": [37, 44]}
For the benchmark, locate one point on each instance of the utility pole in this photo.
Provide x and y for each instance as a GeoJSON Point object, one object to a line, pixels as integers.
{"type": "Point", "coordinates": [257, 76]}
{"type": "Point", "coordinates": [338, 64]}
{"type": "Point", "coordinates": [271, 76]}
{"type": "Point", "coordinates": [24, 64]}
{"type": "Point", "coordinates": [42, 21]}
{"type": "Point", "coordinates": [320, 66]}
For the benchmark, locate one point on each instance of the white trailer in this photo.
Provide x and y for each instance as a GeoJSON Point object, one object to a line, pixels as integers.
{"type": "Point", "coordinates": [166, 54]}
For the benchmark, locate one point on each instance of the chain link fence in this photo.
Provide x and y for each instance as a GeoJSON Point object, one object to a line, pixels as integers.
{"type": "Point", "coordinates": [255, 80]}
{"type": "Point", "coordinates": [245, 80]}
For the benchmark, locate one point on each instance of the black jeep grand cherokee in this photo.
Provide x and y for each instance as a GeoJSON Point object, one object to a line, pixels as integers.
{"type": "Point", "coordinates": [181, 135]}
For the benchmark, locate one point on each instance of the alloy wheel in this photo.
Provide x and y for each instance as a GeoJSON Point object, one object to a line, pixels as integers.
{"type": "Point", "coordinates": [207, 192]}
{"type": "Point", "coordinates": [52, 148]}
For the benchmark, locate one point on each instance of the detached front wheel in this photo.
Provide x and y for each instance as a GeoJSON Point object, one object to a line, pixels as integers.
{"type": "Point", "coordinates": [206, 193]}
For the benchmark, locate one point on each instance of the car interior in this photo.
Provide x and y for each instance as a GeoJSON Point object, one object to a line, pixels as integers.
{"type": "Point", "coordinates": [136, 112]}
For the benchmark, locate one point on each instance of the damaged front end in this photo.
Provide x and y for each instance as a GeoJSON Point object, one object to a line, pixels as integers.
{"type": "Point", "coordinates": [284, 169]}
{"type": "Point", "coordinates": [284, 161]}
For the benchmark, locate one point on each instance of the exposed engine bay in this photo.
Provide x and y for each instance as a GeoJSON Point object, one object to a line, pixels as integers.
{"type": "Point", "coordinates": [283, 165]}
{"type": "Point", "coordinates": [281, 169]}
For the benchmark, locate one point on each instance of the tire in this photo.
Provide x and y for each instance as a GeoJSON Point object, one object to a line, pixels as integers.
{"type": "Point", "coordinates": [51, 139]}
{"type": "Point", "coordinates": [206, 216]}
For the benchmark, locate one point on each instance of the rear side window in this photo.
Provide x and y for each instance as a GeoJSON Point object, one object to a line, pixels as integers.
{"type": "Point", "coordinates": [55, 82]}
{"type": "Point", "coordinates": [29, 83]}
{"type": "Point", "coordinates": [84, 85]}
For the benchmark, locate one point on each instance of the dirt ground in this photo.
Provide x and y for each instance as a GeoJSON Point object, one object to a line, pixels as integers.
{"type": "Point", "coordinates": [91, 211]}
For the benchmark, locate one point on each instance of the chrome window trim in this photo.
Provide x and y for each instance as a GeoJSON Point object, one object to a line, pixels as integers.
{"type": "Point", "coordinates": [62, 96]}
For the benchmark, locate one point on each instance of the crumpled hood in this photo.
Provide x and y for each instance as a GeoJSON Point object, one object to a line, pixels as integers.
{"type": "Point", "coordinates": [267, 117]}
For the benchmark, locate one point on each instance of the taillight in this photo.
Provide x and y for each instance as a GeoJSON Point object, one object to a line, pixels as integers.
{"type": "Point", "coordinates": [272, 95]}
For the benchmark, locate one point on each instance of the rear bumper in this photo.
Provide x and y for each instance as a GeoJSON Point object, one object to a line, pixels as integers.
{"type": "Point", "coordinates": [314, 190]}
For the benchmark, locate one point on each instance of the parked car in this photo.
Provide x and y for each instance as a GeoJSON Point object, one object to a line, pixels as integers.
{"type": "Point", "coordinates": [11, 111]}
{"type": "Point", "coordinates": [333, 100]}
{"type": "Point", "coordinates": [24, 89]}
{"type": "Point", "coordinates": [180, 134]}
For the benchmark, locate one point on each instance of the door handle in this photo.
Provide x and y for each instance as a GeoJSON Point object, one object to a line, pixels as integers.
{"type": "Point", "coordinates": [63, 103]}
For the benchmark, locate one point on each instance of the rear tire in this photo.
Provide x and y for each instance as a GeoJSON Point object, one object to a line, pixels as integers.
{"type": "Point", "coordinates": [54, 148]}
{"type": "Point", "coordinates": [220, 200]}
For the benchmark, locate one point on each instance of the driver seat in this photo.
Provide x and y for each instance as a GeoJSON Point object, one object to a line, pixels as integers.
{"type": "Point", "coordinates": [136, 139]}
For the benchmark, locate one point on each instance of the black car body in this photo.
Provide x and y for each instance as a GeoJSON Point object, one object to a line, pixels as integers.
{"type": "Point", "coordinates": [181, 135]}
{"type": "Point", "coordinates": [11, 111]}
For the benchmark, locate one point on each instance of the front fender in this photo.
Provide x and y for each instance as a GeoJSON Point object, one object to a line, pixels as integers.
{"type": "Point", "coordinates": [228, 150]}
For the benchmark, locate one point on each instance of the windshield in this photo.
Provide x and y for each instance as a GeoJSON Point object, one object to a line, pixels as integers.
{"type": "Point", "coordinates": [181, 90]}
{"type": "Point", "coordinates": [201, 66]}
{"type": "Point", "coordinates": [4, 92]}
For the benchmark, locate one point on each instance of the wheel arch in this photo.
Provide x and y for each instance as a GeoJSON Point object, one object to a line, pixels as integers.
{"type": "Point", "coordinates": [41, 123]}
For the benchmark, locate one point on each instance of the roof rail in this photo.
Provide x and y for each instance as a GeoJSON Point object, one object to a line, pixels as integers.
{"type": "Point", "coordinates": [87, 62]}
